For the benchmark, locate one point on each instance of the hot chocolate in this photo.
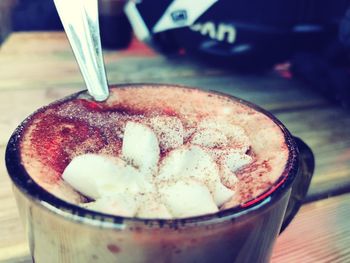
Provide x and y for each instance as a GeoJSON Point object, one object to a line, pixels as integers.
{"type": "Point", "coordinates": [154, 152]}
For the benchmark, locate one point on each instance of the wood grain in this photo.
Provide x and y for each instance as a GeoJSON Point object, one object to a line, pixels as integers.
{"type": "Point", "coordinates": [26, 65]}
{"type": "Point", "coordinates": [327, 131]}
{"type": "Point", "coordinates": [12, 237]}
{"type": "Point", "coordinates": [6, 7]}
{"type": "Point", "coordinates": [320, 233]}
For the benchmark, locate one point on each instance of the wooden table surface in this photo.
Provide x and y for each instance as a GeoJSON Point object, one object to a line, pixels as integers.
{"type": "Point", "coordinates": [38, 68]}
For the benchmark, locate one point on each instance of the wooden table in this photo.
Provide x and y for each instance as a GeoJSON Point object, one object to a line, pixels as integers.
{"type": "Point", "coordinates": [37, 68]}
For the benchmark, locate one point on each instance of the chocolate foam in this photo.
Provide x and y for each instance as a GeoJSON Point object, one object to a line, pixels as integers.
{"type": "Point", "coordinates": [63, 130]}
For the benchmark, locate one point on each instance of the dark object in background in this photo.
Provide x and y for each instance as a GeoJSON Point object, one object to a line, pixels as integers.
{"type": "Point", "coordinates": [115, 29]}
{"type": "Point", "coordinates": [328, 71]}
{"type": "Point", "coordinates": [344, 31]}
{"type": "Point", "coordinates": [254, 35]}
{"type": "Point", "coordinates": [35, 15]}
{"type": "Point", "coordinates": [6, 7]}
{"type": "Point", "coordinates": [244, 34]}
{"type": "Point", "coordinates": [38, 15]}
{"type": "Point", "coordinates": [324, 76]}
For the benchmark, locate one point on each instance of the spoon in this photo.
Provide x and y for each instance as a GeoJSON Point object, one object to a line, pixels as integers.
{"type": "Point", "coordinates": [80, 22]}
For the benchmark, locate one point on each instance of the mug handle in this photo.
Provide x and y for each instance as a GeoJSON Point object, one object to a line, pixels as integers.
{"type": "Point", "coordinates": [301, 183]}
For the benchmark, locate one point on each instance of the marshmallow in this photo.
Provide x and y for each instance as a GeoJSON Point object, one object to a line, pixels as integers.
{"type": "Point", "coordinates": [117, 204]}
{"type": "Point", "coordinates": [189, 179]}
{"type": "Point", "coordinates": [235, 134]}
{"type": "Point", "coordinates": [96, 176]}
{"type": "Point", "coordinates": [227, 177]}
{"type": "Point", "coordinates": [192, 162]}
{"type": "Point", "coordinates": [235, 160]}
{"type": "Point", "coordinates": [188, 162]}
{"type": "Point", "coordinates": [230, 160]}
{"type": "Point", "coordinates": [209, 138]}
{"type": "Point", "coordinates": [188, 198]}
{"type": "Point", "coordinates": [221, 194]}
{"type": "Point", "coordinates": [169, 131]}
{"type": "Point", "coordinates": [141, 147]}
{"type": "Point", "coordinates": [151, 208]}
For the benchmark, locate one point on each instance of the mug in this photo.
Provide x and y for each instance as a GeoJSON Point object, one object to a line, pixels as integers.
{"type": "Point", "coordinates": [59, 231]}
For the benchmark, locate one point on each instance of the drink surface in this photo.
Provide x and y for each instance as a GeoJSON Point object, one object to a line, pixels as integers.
{"type": "Point", "coordinates": [208, 133]}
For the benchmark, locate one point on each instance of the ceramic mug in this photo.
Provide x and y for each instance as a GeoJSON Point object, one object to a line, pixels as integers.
{"type": "Point", "coordinates": [62, 232]}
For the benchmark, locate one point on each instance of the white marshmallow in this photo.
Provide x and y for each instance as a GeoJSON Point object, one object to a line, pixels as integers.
{"type": "Point", "coordinates": [85, 171]}
{"type": "Point", "coordinates": [188, 162]}
{"type": "Point", "coordinates": [235, 160]}
{"type": "Point", "coordinates": [189, 179]}
{"type": "Point", "coordinates": [169, 131]}
{"type": "Point", "coordinates": [141, 147]}
{"type": "Point", "coordinates": [118, 204]}
{"type": "Point", "coordinates": [209, 138]}
{"type": "Point", "coordinates": [96, 176]}
{"type": "Point", "coordinates": [153, 209]}
{"type": "Point", "coordinates": [230, 160]}
{"type": "Point", "coordinates": [222, 194]}
{"type": "Point", "coordinates": [235, 134]}
{"type": "Point", "coordinates": [188, 198]}
{"type": "Point", "coordinates": [192, 162]}
{"type": "Point", "coordinates": [228, 178]}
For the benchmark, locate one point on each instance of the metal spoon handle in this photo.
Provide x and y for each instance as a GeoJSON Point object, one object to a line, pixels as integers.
{"type": "Point", "coordinates": [80, 21]}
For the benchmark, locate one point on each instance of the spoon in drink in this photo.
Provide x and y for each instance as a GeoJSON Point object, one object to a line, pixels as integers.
{"type": "Point", "coordinates": [80, 22]}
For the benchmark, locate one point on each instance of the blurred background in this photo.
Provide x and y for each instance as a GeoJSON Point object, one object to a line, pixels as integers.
{"type": "Point", "coordinates": [307, 39]}
{"type": "Point", "coordinates": [41, 15]}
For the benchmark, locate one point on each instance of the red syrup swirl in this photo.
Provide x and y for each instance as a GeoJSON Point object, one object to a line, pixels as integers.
{"type": "Point", "coordinates": [56, 140]}
{"type": "Point", "coordinates": [93, 106]}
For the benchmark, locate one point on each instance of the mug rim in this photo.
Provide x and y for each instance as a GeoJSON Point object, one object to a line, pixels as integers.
{"type": "Point", "coordinates": [24, 182]}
